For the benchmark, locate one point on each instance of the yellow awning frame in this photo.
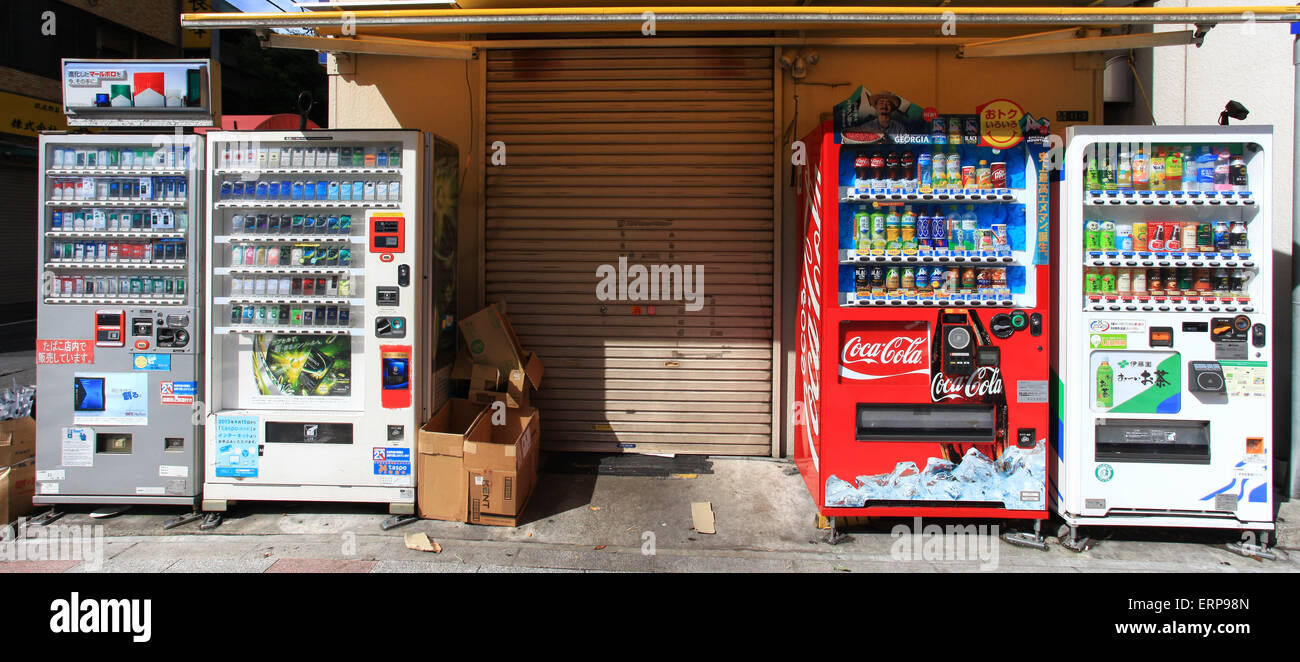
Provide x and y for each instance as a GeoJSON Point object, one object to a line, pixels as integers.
{"type": "Point", "coordinates": [580, 19]}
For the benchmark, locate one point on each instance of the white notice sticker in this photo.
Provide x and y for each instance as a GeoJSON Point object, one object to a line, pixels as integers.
{"type": "Point", "coordinates": [78, 447]}
{"type": "Point", "coordinates": [173, 471]}
{"type": "Point", "coordinates": [53, 474]}
{"type": "Point", "coordinates": [1031, 391]}
{"type": "Point", "coordinates": [150, 491]}
{"type": "Point", "coordinates": [49, 488]}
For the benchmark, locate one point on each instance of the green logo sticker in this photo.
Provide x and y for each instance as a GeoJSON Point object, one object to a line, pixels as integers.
{"type": "Point", "coordinates": [1105, 472]}
{"type": "Point", "coordinates": [476, 347]}
{"type": "Point", "coordinates": [1108, 341]}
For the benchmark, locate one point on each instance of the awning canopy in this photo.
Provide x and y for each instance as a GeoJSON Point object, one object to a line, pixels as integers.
{"type": "Point", "coordinates": [456, 32]}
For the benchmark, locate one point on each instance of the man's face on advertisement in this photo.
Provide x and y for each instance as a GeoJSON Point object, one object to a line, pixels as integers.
{"type": "Point", "coordinates": [884, 106]}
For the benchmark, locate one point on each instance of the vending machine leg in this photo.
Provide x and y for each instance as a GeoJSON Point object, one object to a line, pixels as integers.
{"type": "Point", "coordinates": [1074, 543]}
{"type": "Point", "coordinates": [835, 536]}
{"type": "Point", "coordinates": [1253, 550]}
{"type": "Point", "coordinates": [398, 520]}
{"type": "Point", "coordinates": [211, 521]}
{"type": "Point", "coordinates": [1033, 540]}
{"type": "Point", "coordinates": [174, 522]}
{"type": "Point", "coordinates": [45, 517]}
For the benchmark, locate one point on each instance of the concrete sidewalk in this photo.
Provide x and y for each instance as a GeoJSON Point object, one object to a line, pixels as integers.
{"type": "Point", "coordinates": [602, 523]}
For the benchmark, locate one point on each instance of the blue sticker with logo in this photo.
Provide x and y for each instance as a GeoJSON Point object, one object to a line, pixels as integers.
{"type": "Point", "coordinates": [159, 362]}
{"type": "Point", "coordinates": [391, 461]}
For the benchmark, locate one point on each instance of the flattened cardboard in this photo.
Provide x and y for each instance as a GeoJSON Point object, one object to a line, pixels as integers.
{"type": "Point", "coordinates": [491, 340]}
{"type": "Point", "coordinates": [702, 517]}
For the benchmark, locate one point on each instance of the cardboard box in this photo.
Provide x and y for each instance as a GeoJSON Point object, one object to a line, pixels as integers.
{"type": "Point", "coordinates": [486, 386]}
{"type": "Point", "coordinates": [17, 487]}
{"type": "Point", "coordinates": [441, 481]}
{"type": "Point", "coordinates": [17, 440]}
{"type": "Point", "coordinates": [502, 472]}
{"type": "Point", "coordinates": [17, 468]}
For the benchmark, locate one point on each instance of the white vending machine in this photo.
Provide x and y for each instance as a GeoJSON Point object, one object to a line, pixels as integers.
{"type": "Point", "coordinates": [317, 341]}
{"type": "Point", "coordinates": [1165, 343]}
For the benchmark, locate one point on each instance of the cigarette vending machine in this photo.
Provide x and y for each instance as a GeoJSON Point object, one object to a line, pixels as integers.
{"type": "Point", "coordinates": [319, 340]}
{"type": "Point", "coordinates": [922, 383]}
{"type": "Point", "coordinates": [119, 321]}
{"type": "Point", "coordinates": [1166, 333]}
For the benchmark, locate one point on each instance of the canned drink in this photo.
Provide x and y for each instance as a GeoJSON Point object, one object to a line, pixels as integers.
{"type": "Point", "coordinates": [1222, 236]}
{"type": "Point", "coordinates": [1124, 236]}
{"type": "Point", "coordinates": [1124, 282]}
{"type": "Point", "coordinates": [1186, 281]}
{"type": "Point", "coordinates": [968, 179]}
{"type": "Point", "coordinates": [862, 281]}
{"type": "Point", "coordinates": [876, 278]}
{"type": "Point", "coordinates": [954, 129]}
{"type": "Point", "coordinates": [968, 279]}
{"type": "Point", "coordinates": [951, 278]}
{"type": "Point", "coordinates": [1205, 238]}
{"type": "Point", "coordinates": [892, 280]}
{"type": "Point", "coordinates": [907, 279]}
{"type": "Point", "coordinates": [939, 130]}
{"type": "Point", "coordinates": [939, 231]}
{"type": "Point", "coordinates": [922, 280]}
{"type": "Point", "coordinates": [1139, 236]}
{"type": "Point", "coordinates": [983, 280]}
{"type": "Point", "coordinates": [998, 174]}
{"type": "Point", "coordinates": [1173, 236]}
{"type": "Point", "coordinates": [1139, 284]}
{"type": "Point", "coordinates": [954, 170]}
{"type": "Point", "coordinates": [923, 173]}
{"type": "Point", "coordinates": [1107, 235]}
{"type": "Point", "coordinates": [987, 241]}
{"type": "Point", "coordinates": [1092, 236]}
{"type": "Point", "coordinates": [1190, 230]}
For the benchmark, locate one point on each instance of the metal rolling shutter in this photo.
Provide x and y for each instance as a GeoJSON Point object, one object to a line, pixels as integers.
{"type": "Point", "coordinates": [664, 155]}
{"type": "Point", "coordinates": [19, 218]}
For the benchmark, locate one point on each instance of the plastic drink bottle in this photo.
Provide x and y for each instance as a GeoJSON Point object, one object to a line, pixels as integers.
{"type": "Point", "coordinates": [1105, 385]}
{"type": "Point", "coordinates": [1205, 169]}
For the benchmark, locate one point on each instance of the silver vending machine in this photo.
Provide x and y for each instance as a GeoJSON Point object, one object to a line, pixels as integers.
{"type": "Point", "coordinates": [119, 321]}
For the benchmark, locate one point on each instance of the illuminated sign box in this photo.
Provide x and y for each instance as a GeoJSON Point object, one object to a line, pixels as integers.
{"type": "Point", "coordinates": [144, 93]}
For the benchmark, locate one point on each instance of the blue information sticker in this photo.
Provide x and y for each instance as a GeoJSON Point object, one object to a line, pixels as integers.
{"type": "Point", "coordinates": [391, 461]}
{"type": "Point", "coordinates": [159, 362]}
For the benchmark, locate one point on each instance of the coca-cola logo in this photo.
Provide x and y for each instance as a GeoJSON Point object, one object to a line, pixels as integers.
{"type": "Point", "coordinates": [900, 350]}
{"type": "Point", "coordinates": [982, 382]}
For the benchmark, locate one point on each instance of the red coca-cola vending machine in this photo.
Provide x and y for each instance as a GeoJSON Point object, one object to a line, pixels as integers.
{"type": "Point", "coordinates": [923, 357]}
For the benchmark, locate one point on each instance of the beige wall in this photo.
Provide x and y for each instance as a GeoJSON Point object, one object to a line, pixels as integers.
{"type": "Point", "coordinates": [382, 92]}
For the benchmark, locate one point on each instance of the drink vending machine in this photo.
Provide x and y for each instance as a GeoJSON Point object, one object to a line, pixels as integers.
{"type": "Point", "coordinates": [1166, 349]}
{"type": "Point", "coordinates": [119, 319]}
{"type": "Point", "coordinates": [922, 384]}
{"type": "Point", "coordinates": [319, 349]}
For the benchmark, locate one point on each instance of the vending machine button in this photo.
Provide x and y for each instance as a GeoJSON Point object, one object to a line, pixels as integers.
{"type": "Point", "coordinates": [1214, 309]}
{"type": "Point", "coordinates": [1164, 309]}
{"type": "Point", "coordinates": [1148, 308]}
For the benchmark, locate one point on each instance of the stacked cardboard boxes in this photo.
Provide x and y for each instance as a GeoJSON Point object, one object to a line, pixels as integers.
{"type": "Point", "coordinates": [17, 468]}
{"type": "Point", "coordinates": [479, 459]}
